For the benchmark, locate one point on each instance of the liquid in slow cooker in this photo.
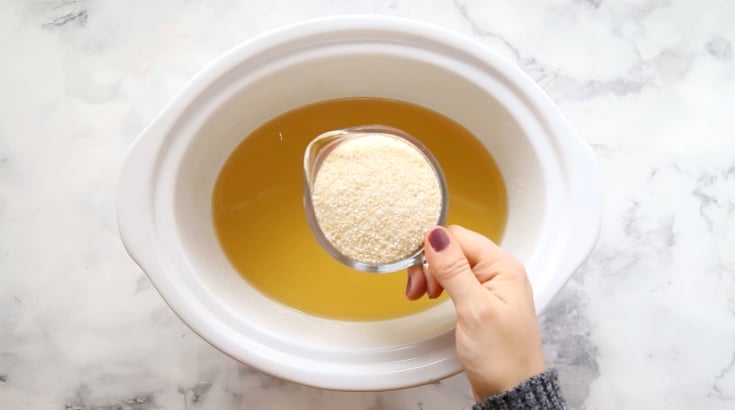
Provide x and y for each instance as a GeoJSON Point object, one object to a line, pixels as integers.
{"type": "Point", "coordinates": [259, 217]}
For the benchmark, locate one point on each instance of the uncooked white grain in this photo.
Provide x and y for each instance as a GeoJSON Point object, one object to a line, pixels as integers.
{"type": "Point", "coordinates": [375, 197]}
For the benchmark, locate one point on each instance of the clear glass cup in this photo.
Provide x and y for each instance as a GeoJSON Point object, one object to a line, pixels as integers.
{"type": "Point", "coordinates": [314, 156]}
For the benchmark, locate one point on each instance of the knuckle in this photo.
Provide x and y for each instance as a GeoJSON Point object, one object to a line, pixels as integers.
{"type": "Point", "coordinates": [476, 313]}
{"type": "Point", "coordinates": [516, 264]}
{"type": "Point", "coordinates": [484, 312]}
{"type": "Point", "coordinates": [516, 267]}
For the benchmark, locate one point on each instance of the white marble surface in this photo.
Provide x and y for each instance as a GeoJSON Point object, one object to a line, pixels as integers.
{"type": "Point", "coordinates": [647, 323]}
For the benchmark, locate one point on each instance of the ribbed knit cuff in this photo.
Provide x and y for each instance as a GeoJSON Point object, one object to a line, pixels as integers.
{"type": "Point", "coordinates": [540, 392]}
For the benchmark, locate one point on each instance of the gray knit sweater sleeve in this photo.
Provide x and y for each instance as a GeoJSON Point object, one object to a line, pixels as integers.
{"type": "Point", "coordinates": [540, 392]}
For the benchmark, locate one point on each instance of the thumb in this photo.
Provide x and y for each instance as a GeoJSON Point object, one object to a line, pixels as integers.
{"type": "Point", "coordinates": [449, 266]}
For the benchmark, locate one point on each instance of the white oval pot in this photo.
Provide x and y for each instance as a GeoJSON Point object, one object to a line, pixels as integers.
{"type": "Point", "coordinates": [164, 204]}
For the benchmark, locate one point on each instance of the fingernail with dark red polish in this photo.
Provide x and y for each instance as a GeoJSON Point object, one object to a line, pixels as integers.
{"type": "Point", "coordinates": [438, 239]}
{"type": "Point", "coordinates": [408, 285]}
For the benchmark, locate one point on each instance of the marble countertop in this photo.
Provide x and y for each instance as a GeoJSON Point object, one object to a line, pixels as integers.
{"type": "Point", "coordinates": [647, 323]}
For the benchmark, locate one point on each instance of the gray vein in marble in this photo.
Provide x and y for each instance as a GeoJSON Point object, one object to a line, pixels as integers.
{"type": "Point", "coordinates": [707, 184]}
{"type": "Point", "coordinates": [195, 395]}
{"type": "Point", "coordinates": [481, 32]}
{"type": "Point", "coordinates": [669, 65]}
{"type": "Point", "coordinates": [704, 202]}
{"type": "Point", "coordinates": [530, 65]}
{"type": "Point", "coordinates": [551, 80]}
{"type": "Point", "coordinates": [565, 331]}
{"type": "Point", "coordinates": [143, 284]}
{"type": "Point", "coordinates": [661, 235]}
{"type": "Point", "coordinates": [79, 18]}
{"type": "Point", "coordinates": [716, 388]}
{"type": "Point", "coordinates": [7, 172]}
{"type": "Point", "coordinates": [60, 13]}
{"type": "Point", "coordinates": [643, 240]}
{"type": "Point", "coordinates": [81, 401]}
{"type": "Point", "coordinates": [644, 8]}
{"type": "Point", "coordinates": [594, 3]}
{"type": "Point", "coordinates": [720, 48]}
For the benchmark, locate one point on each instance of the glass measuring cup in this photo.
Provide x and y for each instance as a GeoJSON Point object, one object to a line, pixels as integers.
{"type": "Point", "coordinates": [317, 151]}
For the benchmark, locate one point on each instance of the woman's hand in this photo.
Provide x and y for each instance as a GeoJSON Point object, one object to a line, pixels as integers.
{"type": "Point", "coordinates": [497, 335]}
